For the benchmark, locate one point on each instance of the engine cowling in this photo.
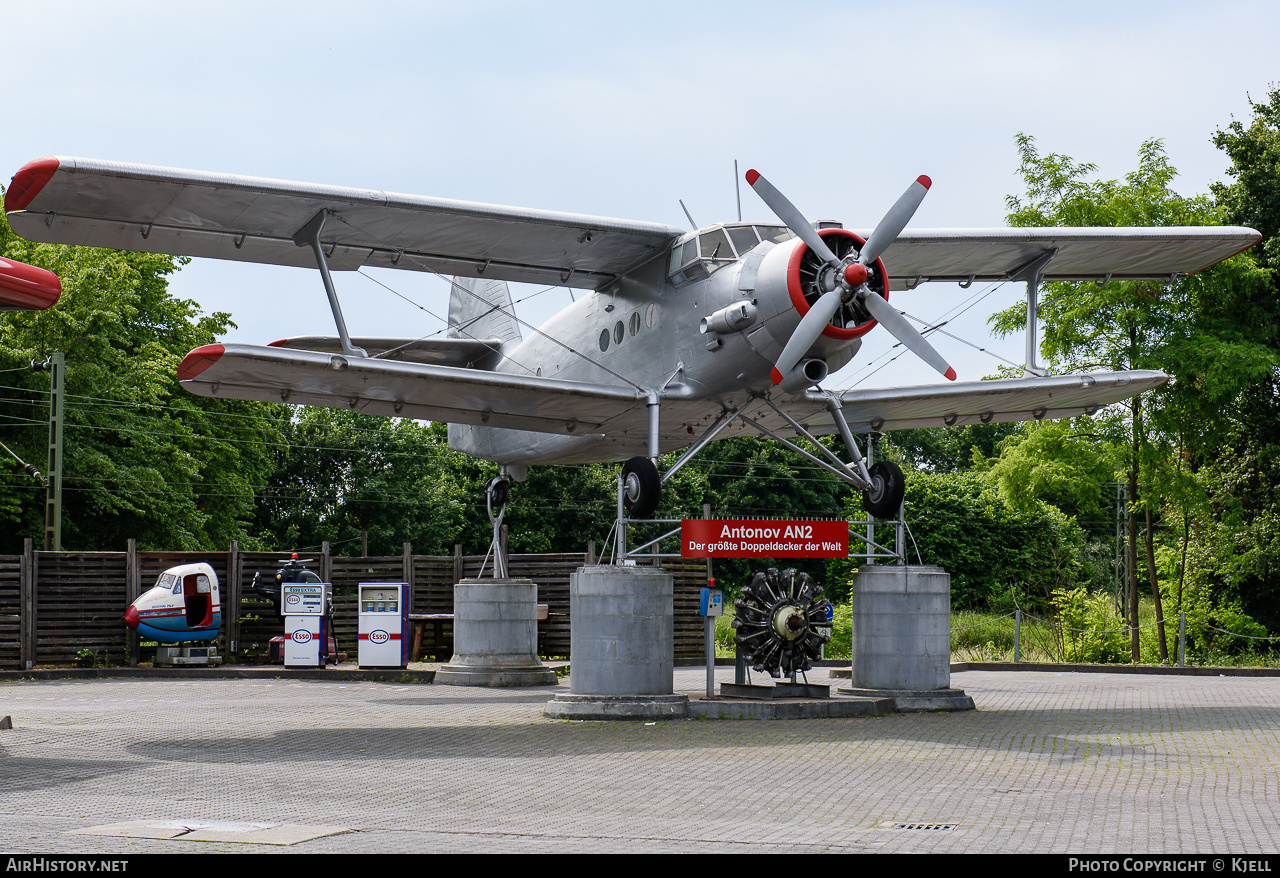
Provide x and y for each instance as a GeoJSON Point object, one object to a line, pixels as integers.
{"type": "Point", "coordinates": [791, 279]}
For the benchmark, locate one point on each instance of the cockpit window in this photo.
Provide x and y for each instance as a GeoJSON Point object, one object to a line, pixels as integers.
{"type": "Point", "coordinates": [743, 237]}
{"type": "Point", "coordinates": [776, 234]}
{"type": "Point", "coordinates": [715, 246]}
{"type": "Point", "coordinates": [703, 252]}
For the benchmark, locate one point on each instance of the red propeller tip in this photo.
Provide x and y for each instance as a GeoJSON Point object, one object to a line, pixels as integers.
{"type": "Point", "coordinates": [776, 376]}
{"type": "Point", "coordinates": [951, 374]}
{"type": "Point", "coordinates": [924, 181]}
{"type": "Point", "coordinates": [752, 176]}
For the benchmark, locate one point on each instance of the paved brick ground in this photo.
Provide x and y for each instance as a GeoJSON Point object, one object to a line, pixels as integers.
{"type": "Point", "coordinates": [1097, 763]}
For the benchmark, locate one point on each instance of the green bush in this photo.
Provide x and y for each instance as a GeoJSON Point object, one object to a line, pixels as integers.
{"type": "Point", "coordinates": [1092, 629]}
{"type": "Point", "coordinates": [996, 555]}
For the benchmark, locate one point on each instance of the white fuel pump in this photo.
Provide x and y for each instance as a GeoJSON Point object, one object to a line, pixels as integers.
{"type": "Point", "coordinates": [307, 608]}
{"type": "Point", "coordinates": [384, 621]}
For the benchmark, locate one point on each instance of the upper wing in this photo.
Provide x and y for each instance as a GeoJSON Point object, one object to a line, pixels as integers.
{"type": "Point", "coordinates": [1119, 253]}
{"type": "Point", "coordinates": [190, 213]}
{"type": "Point", "coordinates": [974, 402]}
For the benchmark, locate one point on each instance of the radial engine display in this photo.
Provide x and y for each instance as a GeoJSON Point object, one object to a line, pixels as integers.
{"type": "Point", "coordinates": [782, 622]}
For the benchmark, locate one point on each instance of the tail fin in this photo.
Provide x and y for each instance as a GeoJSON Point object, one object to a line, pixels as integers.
{"type": "Point", "coordinates": [481, 308]}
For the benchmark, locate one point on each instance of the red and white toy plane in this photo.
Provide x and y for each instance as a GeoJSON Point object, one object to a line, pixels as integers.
{"type": "Point", "coordinates": [685, 337]}
{"type": "Point", "coordinates": [183, 605]}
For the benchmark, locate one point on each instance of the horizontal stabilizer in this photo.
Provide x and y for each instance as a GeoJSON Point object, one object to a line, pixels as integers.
{"type": "Point", "coordinates": [465, 353]}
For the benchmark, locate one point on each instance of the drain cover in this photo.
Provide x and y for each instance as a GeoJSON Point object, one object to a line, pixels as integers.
{"type": "Point", "coordinates": [936, 827]}
{"type": "Point", "coordinates": [214, 830]}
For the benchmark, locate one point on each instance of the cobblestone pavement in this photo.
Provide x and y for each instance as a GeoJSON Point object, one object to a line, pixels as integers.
{"type": "Point", "coordinates": [1092, 763]}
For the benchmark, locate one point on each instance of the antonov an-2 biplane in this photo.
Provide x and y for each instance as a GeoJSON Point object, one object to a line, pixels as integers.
{"type": "Point", "coordinates": [685, 337]}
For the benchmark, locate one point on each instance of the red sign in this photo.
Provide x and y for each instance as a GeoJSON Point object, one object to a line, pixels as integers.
{"type": "Point", "coordinates": [735, 538]}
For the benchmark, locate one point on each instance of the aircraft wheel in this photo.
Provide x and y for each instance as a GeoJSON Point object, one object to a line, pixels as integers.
{"type": "Point", "coordinates": [641, 487]}
{"type": "Point", "coordinates": [496, 492]}
{"type": "Point", "coordinates": [885, 497]}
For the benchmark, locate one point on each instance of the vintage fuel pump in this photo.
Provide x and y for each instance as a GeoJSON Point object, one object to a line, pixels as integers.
{"type": "Point", "coordinates": [384, 621]}
{"type": "Point", "coordinates": [307, 608]}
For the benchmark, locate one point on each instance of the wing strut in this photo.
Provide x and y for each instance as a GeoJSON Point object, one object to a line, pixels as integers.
{"type": "Point", "coordinates": [310, 235]}
{"type": "Point", "coordinates": [1032, 273]}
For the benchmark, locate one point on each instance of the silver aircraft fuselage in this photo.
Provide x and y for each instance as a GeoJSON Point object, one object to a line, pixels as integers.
{"type": "Point", "coordinates": [649, 325]}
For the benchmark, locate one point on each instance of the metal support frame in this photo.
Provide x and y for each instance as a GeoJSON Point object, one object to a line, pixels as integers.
{"type": "Point", "coordinates": [1032, 273]}
{"type": "Point", "coordinates": [309, 235]}
{"type": "Point", "coordinates": [855, 474]}
{"type": "Point", "coordinates": [497, 548]}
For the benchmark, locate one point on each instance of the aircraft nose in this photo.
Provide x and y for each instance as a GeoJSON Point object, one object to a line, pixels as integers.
{"type": "Point", "coordinates": [131, 617]}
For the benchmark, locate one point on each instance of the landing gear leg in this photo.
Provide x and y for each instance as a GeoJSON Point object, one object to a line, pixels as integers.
{"type": "Point", "coordinates": [496, 492]}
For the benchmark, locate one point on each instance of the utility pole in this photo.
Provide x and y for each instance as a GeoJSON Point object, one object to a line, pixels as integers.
{"type": "Point", "coordinates": [56, 364]}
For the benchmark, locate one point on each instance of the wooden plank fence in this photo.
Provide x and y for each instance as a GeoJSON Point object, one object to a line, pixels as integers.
{"type": "Point", "coordinates": [57, 606]}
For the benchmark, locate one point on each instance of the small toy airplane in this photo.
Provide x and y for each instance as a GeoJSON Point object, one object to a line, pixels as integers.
{"type": "Point", "coordinates": [183, 605]}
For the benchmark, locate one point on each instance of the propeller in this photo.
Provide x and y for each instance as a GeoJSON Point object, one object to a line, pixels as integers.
{"type": "Point", "coordinates": [848, 278]}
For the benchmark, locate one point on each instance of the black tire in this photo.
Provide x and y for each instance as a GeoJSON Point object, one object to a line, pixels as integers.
{"type": "Point", "coordinates": [496, 492]}
{"type": "Point", "coordinates": [885, 497]}
{"type": "Point", "coordinates": [641, 487]}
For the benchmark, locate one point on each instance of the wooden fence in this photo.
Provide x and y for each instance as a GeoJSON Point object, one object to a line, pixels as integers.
{"type": "Point", "coordinates": [56, 607]}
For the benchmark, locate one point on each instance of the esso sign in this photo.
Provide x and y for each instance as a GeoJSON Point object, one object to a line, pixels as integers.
{"type": "Point", "coordinates": [302, 636]}
{"type": "Point", "coordinates": [379, 636]}
{"type": "Point", "coordinates": [292, 599]}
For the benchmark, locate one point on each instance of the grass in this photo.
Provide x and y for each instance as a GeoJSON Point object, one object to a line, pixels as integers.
{"type": "Point", "coordinates": [987, 636]}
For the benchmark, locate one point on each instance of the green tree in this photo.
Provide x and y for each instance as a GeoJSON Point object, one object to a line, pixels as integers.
{"type": "Point", "coordinates": [341, 475]}
{"type": "Point", "coordinates": [1139, 325]}
{"type": "Point", "coordinates": [143, 458]}
{"type": "Point", "coordinates": [1241, 471]}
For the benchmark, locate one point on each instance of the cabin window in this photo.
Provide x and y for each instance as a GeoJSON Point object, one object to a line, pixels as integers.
{"type": "Point", "coordinates": [618, 331]}
{"type": "Point", "coordinates": [634, 324]}
{"type": "Point", "coordinates": [604, 339]}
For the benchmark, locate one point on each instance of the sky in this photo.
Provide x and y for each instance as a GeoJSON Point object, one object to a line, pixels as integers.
{"type": "Point", "coordinates": [621, 110]}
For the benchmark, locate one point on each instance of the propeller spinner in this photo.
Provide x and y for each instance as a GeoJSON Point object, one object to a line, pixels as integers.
{"type": "Point", "coordinates": [848, 277]}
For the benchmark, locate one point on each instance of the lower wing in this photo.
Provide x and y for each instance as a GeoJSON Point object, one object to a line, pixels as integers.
{"type": "Point", "coordinates": [571, 408]}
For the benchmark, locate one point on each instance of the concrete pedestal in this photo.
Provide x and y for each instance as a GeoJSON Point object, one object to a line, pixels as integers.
{"type": "Point", "coordinates": [495, 635]}
{"type": "Point", "coordinates": [902, 637]}
{"type": "Point", "coordinates": [622, 642]}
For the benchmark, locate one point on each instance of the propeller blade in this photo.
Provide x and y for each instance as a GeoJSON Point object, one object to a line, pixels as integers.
{"type": "Point", "coordinates": [811, 325]}
{"type": "Point", "coordinates": [793, 218]}
{"type": "Point", "coordinates": [894, 221]}
{"type": "Point", "coordinates": [903, 331]}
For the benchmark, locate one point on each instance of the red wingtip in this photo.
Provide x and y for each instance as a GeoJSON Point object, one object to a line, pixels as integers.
{"type": "Point", "coordinates": [951, 374]}
{"type": "Point", "coordinates": [752, 176]}
{"type": "Point", "coordinates": [28, 182]}
{"type": "Point", "coordinates": [27, 288]}
{"type": "Point", "coordinates": [278, 343]}
{"type": "Point", "coordinates": [198, 360]}
{"type": "Point", "coordinates": [924, 181]}
{"type": "Point", "coordinates": [776, 376]}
